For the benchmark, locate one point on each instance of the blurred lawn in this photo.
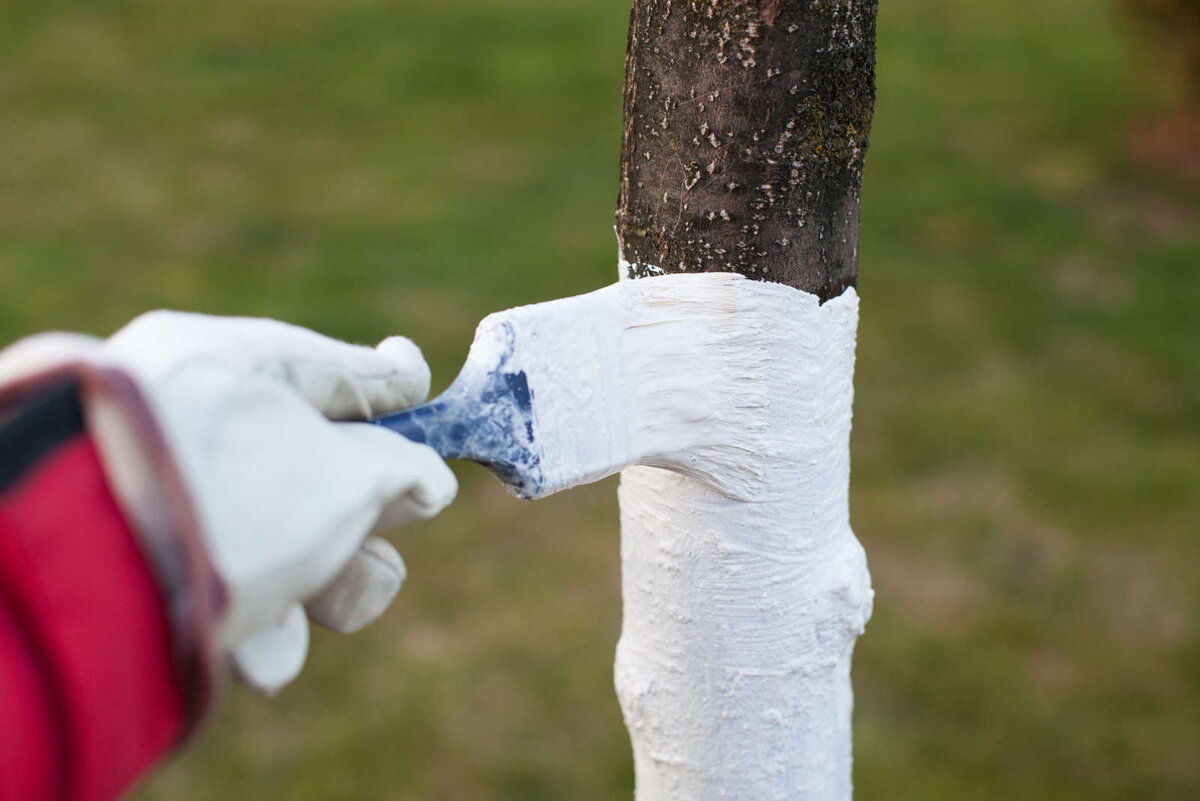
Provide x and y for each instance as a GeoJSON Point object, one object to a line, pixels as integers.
{"type": "Point", "coordinates": [1027, 445]}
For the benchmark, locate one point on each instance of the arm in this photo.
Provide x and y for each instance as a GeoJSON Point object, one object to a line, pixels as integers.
{"type": "Point", "coordinates": [89, 691]}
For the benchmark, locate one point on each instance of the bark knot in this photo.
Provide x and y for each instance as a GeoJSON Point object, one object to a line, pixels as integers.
{"type": "Point", "coordinates": [768, 10]}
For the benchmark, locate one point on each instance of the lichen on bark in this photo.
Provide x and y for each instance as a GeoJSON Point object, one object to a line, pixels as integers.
{"type": "Point", "coordinates": [746, 127]}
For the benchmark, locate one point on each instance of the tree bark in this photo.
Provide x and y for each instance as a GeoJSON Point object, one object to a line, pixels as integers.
{"type": "Point", "coordinates": [746, 126]}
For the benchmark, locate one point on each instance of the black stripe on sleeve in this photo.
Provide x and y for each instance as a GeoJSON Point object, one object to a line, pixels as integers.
{"type": "Point", "coordinates": [37, 427]}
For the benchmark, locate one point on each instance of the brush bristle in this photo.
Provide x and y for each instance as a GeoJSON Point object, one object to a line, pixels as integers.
{"type": "Point", "coordinates": [679, 372]}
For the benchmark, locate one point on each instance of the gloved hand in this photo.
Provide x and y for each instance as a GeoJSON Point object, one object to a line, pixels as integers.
{"type": "Point", "coordinates": [284, 497]}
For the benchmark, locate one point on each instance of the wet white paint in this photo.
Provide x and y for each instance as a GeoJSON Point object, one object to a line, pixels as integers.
{"type": "Point", "coordinates": [744, 587]}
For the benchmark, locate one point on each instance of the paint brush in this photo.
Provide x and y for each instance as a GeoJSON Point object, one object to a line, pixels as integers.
{"type": "Point", "coordinates": [670, 371]}
{"type": "Point", "coordinates": [533, 376]}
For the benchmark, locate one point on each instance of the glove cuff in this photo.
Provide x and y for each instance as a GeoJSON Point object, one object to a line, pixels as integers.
{"type": "Point", "coordinates": [148, 488]}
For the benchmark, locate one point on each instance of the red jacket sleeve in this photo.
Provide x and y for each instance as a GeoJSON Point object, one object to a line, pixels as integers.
{"type": "Point", "coordinates": [89, 691]}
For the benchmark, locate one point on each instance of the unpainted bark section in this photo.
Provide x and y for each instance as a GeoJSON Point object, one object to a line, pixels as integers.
{"type": "Point", "coordinates": [746, 126]}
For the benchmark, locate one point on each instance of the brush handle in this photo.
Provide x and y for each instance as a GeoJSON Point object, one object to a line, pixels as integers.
{"type": "Point", "coordinates": [418, 423]}
{"type": "Point", "coordinates": [441, 425]}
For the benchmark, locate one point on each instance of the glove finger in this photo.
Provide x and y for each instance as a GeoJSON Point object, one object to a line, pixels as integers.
{"type": "Point", "coordinates": [269, 659]}
{"type": "Point", "coordinates": [407, 358]}
{"type": "Point", "coordinates": [343, 381]}
{"type": "Point", "coordinates": [353, 382]}
{"type": "Point", "coordinates": [362, 591]}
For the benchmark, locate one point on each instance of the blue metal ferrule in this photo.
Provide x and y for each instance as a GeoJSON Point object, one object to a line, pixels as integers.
{"type": "Point", "coordinates": [485, 416]}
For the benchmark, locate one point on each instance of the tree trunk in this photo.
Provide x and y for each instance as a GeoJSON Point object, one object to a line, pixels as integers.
{"type": "Point", "coordinates": [746, 125]}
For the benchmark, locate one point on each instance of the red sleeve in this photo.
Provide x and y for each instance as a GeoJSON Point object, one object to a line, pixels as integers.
{"type": "Point", "coordinates": [89, 694]}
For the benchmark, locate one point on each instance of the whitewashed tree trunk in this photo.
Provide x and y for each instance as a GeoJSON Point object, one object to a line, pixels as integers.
{"type": "Point", "coordinates": [746, 125]}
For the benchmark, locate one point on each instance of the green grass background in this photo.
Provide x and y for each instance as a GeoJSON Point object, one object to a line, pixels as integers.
{"type": "Point", "coordinates": [1026, 443]}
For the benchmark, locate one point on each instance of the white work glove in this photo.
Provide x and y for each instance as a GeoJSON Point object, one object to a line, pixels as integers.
{"type": "Point", "coordinates": [285, 498]}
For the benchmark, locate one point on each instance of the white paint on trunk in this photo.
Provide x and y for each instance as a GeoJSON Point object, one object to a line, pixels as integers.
{"type": "Point", "coordinates": [744, 586]}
